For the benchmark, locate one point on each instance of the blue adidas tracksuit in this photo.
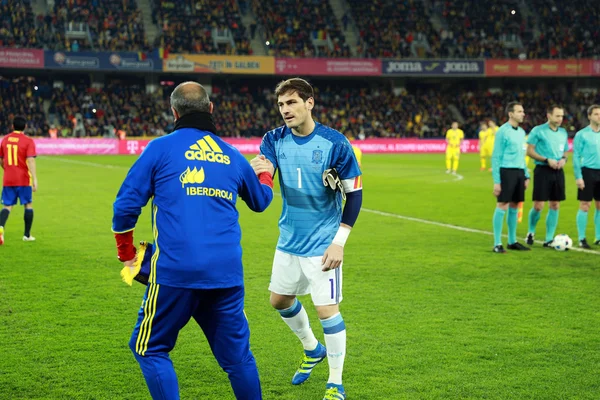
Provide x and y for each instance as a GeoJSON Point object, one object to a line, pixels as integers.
{"type": "Point", "coordinates": [194, 179]}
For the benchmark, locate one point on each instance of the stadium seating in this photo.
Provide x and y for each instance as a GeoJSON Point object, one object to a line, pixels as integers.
{"type": "Point", "coordinates": [18, 26]}
{"type": "Point", "coordinates": [19, 97]}
{"type": "Point", "coordinates": [114, 25]}
{"type": "Point", "coordinates": [389, 28]}
{"type": "Point", "coordinates": [568, 29]}
{"type": "Point", "coordinates": [114, 107]}
{"type": "Point", "coordinates": [301, 29]}
{"type": "Point", "coordinates": [484, 105]}
{"type": "Point", "coordinates": [201, 27]}
{"type": "Point", "coordinates": [484, 29]}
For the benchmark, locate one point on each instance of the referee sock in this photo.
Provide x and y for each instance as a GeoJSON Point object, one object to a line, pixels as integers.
{"type": "Point", "coordinates": [4, 216]}
{"type": "Point", "coordinates": [498, 222]}
{"type": "Point", "coordinates": [28, 217]}
{"type": "Point", "coordinates": [534, 217]}
{"type": "Point", "coordinates": [597, 223]}
{"type": "Point", "coordinates": [297, 319]}
{"type": "Point", "coordinates": [511, 221]}
{"type": "Point", "coordinates": [551, 223]}
{"type": "Point", "coordinates": [582, 219]}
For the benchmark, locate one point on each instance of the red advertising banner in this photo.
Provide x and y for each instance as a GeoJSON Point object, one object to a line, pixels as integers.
{"type": "Point", "coordinates": [21, 58]}
{"type": "Point", "coordinates": [596, 68]}
{"type": "Point", "coordinates": [328, 66]}
{"type": "Point", "coordinates": [538, 68]}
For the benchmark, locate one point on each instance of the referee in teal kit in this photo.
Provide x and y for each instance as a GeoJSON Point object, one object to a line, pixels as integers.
{"type": "Point", "coordinates": [510, 175]}
{"type": "Point", "coordinates": [547, 145]}
{"type": "Point", "coordinates": [586, 165]}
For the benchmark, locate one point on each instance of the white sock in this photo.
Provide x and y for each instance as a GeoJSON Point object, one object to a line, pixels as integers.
{"type": "Point", "coordinates": [335, 341]}
{"type": "Point", "coordinates": [297, 319]}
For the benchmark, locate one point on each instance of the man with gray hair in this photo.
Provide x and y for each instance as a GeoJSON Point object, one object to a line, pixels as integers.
{"type": "Point", "coordinates": [194, 179]}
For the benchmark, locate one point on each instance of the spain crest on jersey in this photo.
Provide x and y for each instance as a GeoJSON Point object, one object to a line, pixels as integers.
{"type": "Point", "coordinates": [317, 157]}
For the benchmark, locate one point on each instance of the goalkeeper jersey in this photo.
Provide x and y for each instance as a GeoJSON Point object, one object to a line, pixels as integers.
{"type": "Point", "coordinates": [311, 212]}
{"type": "Point", "coordinates": [194, 179]}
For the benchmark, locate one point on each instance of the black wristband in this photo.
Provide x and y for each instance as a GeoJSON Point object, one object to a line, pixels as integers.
{"type": "Point", "coordinates": [545, 160]}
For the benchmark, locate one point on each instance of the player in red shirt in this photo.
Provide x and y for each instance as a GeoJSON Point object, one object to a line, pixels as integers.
{"type": "Point", "coordinates": [17, 158]}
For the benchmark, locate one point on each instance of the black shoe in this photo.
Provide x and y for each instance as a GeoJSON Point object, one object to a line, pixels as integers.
{"type": "Point", "coordinates": [517, 246]}
{"type": "Point", "coordinates": [499, 249]}
{"type": "Point", "coordinates": [548, 243]}
{"type": "Point", "coordinates": [584, 244]}
{"type": "Point", "coordinates": [530, 239]}
{"type": "Point", "coordinates": [597, 242]}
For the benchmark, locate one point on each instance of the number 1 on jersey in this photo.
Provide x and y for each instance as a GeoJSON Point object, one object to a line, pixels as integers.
{"type": "Point", "coordinates": [299, 178]}
{"type": "Point", "coordinates": [13, 158]}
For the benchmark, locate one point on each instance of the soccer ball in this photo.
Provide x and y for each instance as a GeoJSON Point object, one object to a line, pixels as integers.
{"type": "Point", "coordinates": [562, 242]}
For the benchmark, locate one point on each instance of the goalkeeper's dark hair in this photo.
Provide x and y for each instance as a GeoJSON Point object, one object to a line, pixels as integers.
{"type": "Point", "coordinates": [190, 97]}
{"type": "Point", "coordinates": [592, 108]}
{"type": "Point", "coordinates": [19, 123]}
{"type": "Point", "coordinates": [552, 107]}
{"type": "Point", "coordinates": [295, 85]}
{"type": "Point", "coordinates": [510, 107]}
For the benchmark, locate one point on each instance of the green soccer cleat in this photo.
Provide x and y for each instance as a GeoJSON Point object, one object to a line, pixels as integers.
{"type": "Point", "coordinates": [334, 392]}
{"type": "Point", "coordinates": [309, 360]}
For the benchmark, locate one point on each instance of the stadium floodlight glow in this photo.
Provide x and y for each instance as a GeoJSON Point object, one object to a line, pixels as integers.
{"type": "Point", "coordinates": [513, 12]}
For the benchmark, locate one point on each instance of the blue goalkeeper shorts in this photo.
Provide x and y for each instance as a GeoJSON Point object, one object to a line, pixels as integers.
{"type": "Point", "coordinates": [10, 194]}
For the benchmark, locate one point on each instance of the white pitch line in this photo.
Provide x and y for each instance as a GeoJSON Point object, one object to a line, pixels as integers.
{"type": "Point", "coordinates": [368, 210]}
{"type": "Point", "coordinates": [455, 227]}
{"type": "Point", "coordinates": [457, 177]}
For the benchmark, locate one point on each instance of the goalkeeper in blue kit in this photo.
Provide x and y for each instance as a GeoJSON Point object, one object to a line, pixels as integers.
{"type": "Point", "coordinates": [317, 171]}
{"type": "Point", "coordinates": [194, 179]}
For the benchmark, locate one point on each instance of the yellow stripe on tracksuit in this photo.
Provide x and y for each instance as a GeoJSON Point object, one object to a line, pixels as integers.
{"type": "Point", "coordinates": [141, 344]}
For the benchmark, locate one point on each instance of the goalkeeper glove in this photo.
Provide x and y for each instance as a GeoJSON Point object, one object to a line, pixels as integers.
{"type": "Point", "coordinates": [332, 180]}
{"type": "Point", "coordinates": [140, 271]}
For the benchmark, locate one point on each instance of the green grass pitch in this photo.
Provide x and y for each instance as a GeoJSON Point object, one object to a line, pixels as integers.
{"type": "Point", "coordinates": [431, 312]}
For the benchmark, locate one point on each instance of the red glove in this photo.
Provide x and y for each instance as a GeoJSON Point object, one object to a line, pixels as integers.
{"type": "Point", "coordinates": [125, 248]}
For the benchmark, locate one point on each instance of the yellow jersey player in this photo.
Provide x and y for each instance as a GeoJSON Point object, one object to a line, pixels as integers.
{"type": "Point", "coordinates": [520, 208]}
{"type": "Point", "coordinates": [526, 156]}
{"type": "Point", "coordinates": [492, 129]}
{"type": "Point", "coordinates": [454, 138]}
{"type": "Point", "coordinates": [357, 154]}
{"type": "Point", "coordinates": [485, 148]}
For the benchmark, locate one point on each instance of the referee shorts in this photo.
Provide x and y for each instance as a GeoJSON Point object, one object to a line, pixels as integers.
{"type": "Point", "coordinates": [512, 183]}
{"type": "Point", "coordinates": [548, 184]}
{"type": "Point", "coordinates": [591, 191]}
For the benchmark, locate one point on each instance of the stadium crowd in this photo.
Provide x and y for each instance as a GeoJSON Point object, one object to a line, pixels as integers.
{"type": "Point", "coordinates": [188, 27]}
{"type": "Point", "coordinates": [301, 29]}
{"type": "Point", "coordinates": [19, 97]}
{"type": "Point", "coordinates": [568, 29]}
{"type": "Point", "coordinates": [479, 29]}
{"type": "Point", "coordinates": [78, 110]}
{"type": "Point", "coordinates": [385, 28]}
{"type": "Point", "coordinates": [114, 25]}
{"type": "Point", "coordinates": [484, 105]}
{"type": "Point", "coordinates": [388, 29]}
